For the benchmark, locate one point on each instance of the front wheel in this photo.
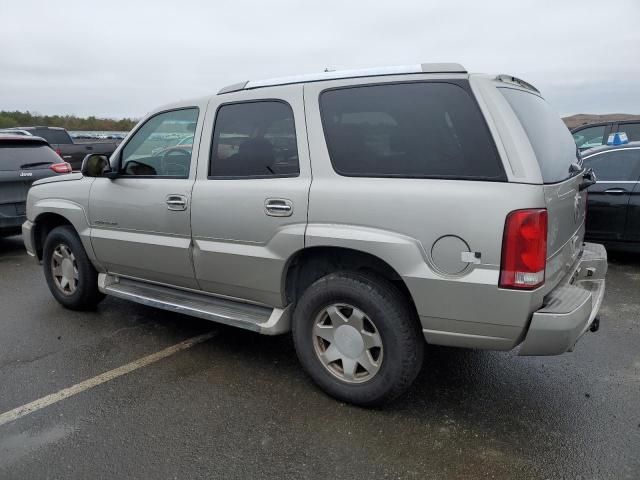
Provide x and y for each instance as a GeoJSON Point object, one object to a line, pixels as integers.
{"type": "Point", "coordinates": [358, 338]}
{"type": "Point", "coordinates": [71, 277]}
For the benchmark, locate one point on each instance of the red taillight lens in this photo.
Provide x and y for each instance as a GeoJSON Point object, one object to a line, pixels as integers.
{"type": "Point", "coordinates": [524, 249]}
{"type": "Point", "coordinates": [62, 167]}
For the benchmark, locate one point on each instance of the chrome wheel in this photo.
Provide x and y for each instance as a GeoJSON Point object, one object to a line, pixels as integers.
{"type": "Point", "coordinates": [347, 343]}
{"type": "Point", "coordinates": [64, 269]}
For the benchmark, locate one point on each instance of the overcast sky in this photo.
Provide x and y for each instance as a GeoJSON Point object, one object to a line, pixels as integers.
{"type": "Point", "coordinates": [122, 58]}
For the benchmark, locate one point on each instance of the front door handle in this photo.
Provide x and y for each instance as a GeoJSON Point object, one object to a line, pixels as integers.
{"type": "Point", "coordinates": [278, 207]}
{"type": "Point", "coordinates": [176, 202]}
{"type": "Point", "coordinates": [615, 191]}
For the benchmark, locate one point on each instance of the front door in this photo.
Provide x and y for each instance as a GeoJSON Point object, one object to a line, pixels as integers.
{"type": "Point", "coordinates": [250, 197]}
{"type": "Point", "coordinates": [617, 172]}
{"type": "Point", "coordinates": [141, 220]}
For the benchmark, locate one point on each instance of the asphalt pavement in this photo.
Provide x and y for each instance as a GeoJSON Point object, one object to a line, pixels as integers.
{"type": "Point", "coordinates": [238, 406]}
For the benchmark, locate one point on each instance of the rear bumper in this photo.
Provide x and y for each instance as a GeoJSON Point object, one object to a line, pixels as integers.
{"type": "Point", "coordinates": [11, 223]}
{"type": "Point", "coordinates": [12, 215]}
{"type": "Point", "coordinates": [570, 308]}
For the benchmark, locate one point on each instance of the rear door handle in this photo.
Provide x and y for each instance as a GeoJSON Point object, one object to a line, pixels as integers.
{"type": "Point", "coordinates": [278, 207]}
{"type": "Point", "coordinates": [176, 202]}
{"type": "Point", "coordinates": [615, 191]}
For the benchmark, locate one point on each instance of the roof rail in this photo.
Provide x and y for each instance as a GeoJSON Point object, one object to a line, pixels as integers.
{"type": "Point", "coordinates": [516, 81]}
{"type": "Point", "coordinates": [339, 74]}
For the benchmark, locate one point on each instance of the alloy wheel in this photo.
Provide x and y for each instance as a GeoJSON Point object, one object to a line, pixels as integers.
{"type": "Point", "coordinates": [64, 269]}
{"type": "Point", "coordinates": [347, 343]}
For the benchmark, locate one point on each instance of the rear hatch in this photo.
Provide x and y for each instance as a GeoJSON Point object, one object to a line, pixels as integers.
{"type": "Point", "coordinates": [22, 162]}
{"type": "Point", "coordinates": [556, 152]}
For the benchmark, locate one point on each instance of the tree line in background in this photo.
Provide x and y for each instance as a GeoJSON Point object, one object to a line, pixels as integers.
{"type": "Point", "coordinates": [70, 122]}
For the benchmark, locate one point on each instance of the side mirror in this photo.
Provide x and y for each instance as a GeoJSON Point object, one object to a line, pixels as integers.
{"type": "Point", "coordinates": [95, 165]}
{"type": "Point", "coordinates": [588, 178]}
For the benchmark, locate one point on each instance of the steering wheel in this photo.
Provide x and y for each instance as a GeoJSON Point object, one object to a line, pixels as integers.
{"type": "Point", "coordinates": [175, 162]}
{"type": "Point", "coordinates": [133, 167]}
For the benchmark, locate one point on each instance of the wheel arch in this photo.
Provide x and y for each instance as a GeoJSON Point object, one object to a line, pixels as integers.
{"type": "Point", "coordinates": [49, 212]}
{"type": "Point", "coordinates": [311, 263]}
{"type": "Point", "coordinates": [43, 224]}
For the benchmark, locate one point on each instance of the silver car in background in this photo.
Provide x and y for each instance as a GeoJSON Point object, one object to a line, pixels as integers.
{"type": "Point", "coordinates": [367, 212]}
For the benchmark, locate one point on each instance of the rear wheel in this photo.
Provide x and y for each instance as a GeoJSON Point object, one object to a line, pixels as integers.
{"type": "Point", "coordinates": [71, 277]}
{"type": "Point", "coordinates": [358, 338]}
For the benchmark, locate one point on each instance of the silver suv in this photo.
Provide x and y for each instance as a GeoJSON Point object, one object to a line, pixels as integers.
{"type": "Point", "coordinates": [363, 211]}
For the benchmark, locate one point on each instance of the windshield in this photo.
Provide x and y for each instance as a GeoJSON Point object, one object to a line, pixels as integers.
{"type": "Point", "coordinates": [552, 142]}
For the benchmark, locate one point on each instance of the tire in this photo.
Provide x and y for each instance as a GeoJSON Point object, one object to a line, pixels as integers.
{"type": "Point", "coordinates": [77, 293]}
{"type": "Point", "coordinates": [388, 319]}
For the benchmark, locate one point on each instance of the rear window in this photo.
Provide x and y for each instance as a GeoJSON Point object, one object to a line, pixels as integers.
{"type": "Point", "coordinates": [414, 130]}
{"type": "Point", "coordinates": [20, 156]}
{"type": "Point", "coordinates": [52, 136]}
{"type": "Point", "coordinates": [552, 142]}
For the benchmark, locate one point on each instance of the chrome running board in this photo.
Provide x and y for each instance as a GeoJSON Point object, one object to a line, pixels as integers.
{"type": "Point", "coordinates": [265, 320]}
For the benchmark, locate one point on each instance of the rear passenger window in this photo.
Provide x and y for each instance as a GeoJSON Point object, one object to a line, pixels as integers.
{"type": "Point", "coordinates": [408, 130]}
{"type": "Point", "coordinates": [254, 140]}
{"type": "Point", "coordinates": [631, 129]}
{"type": "Point", "coordinates": [615, 165]}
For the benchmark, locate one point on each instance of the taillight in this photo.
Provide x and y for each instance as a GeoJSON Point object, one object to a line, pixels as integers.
{"type": "Point", "coordinates": [59, 152]}
{"type": "Point", "coordinates": [62, 167]}
{"type": "Point", "coordinates": [524, 249]}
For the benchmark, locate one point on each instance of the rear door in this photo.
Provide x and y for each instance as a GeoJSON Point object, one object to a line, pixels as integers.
{"type": "Point", "coordinates": [555, 151]}
{"type": "Point", "coordinates": [250, 198]}
{"type": "Point", "coordinates": [22, 162]}
{"type": "Point", "coordinates": [632, 230]}
{"type": "Point", "coordinates": [609, 199]}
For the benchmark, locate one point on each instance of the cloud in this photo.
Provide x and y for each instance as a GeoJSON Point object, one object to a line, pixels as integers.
{"type": "Point", "coordinates": [122, 58]}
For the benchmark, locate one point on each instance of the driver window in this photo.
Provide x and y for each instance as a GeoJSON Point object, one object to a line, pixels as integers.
{"type": "Point", "coordinates": [162, 146]}
{"type": "Point", "coordinates": [589, 137]}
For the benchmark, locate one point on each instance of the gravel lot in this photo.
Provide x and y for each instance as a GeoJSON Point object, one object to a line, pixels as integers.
{"type": "Point", "coordinates": [239, 406]}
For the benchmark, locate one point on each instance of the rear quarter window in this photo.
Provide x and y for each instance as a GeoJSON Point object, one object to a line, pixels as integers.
{"type": "Point", "coordinates": [411, 130]}
{"type": "Point", "coordinates": [552, 143]}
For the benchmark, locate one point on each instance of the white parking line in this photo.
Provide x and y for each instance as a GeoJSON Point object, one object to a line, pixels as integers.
{"type": "Point", "coordinates": [43, 402]}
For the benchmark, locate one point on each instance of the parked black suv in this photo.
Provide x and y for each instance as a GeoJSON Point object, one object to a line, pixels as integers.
{"type": "Point", "coordinates": [23, 160]}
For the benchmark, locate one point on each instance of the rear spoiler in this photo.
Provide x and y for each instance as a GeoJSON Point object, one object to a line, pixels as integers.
{"type": "Point", "coordinates": [23, 140]}
{"type": "Point", "coordinates": [517, 81]}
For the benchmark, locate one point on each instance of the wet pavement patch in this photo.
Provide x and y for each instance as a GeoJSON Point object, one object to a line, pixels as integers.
{"type": "Point", "coordinates": [239, 405]}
